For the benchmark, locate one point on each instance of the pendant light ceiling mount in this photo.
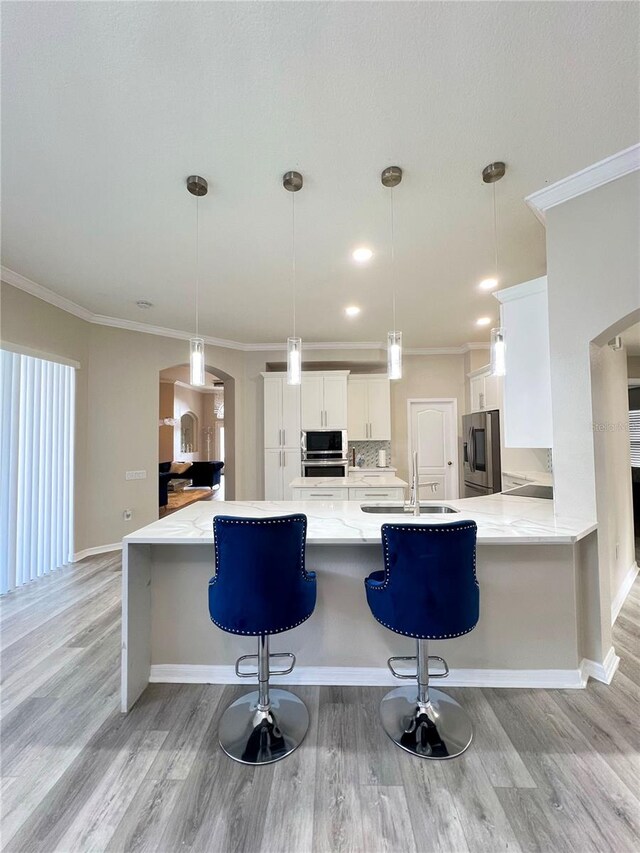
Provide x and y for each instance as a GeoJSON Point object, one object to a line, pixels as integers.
{"type": "Point", "coordinates": [391, 176]}
{"type": "Point", "coordinates": [493, 172]}
{"type": "Point", "coordinates": [197, 185]}
{"type": "Point", "coordinates": [292, 181]}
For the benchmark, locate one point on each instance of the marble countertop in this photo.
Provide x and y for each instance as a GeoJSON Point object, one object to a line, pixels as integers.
{"type": "Point", "coordinates": [353, 481]}
{"type": "Point", "coordinates": [501, 519]}
{"type": "Point", "coordinates": [389, 469]}
{"type": "Point", "coordinates": [543, 478]}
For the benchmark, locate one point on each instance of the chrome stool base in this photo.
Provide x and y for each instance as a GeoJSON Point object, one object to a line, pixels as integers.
{"type": "Point", "coordinates": [253, 736]}
{"type": "Point", "coordinates": [438, 729]}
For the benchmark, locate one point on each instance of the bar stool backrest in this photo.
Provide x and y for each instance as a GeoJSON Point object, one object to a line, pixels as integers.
{"type": "Point", "coordinates": [429, 589]}
{"type": "Point", "coordinates": [260, 585]}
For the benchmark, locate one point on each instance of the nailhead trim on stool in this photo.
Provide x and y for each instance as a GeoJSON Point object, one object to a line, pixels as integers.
{"type": "Point", "coordinates": [384, 585]}
{"type": "Point", "coordinates": [214, 579]}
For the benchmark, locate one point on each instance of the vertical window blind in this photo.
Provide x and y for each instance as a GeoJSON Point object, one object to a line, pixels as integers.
{"type": "Point", "coordinates": [36, 467]}
{"type": "Point", "coordinates": [634, 436]}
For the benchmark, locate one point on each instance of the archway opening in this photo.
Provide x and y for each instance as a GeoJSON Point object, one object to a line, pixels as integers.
{"type": "Point", "coordinates": [197, 426]}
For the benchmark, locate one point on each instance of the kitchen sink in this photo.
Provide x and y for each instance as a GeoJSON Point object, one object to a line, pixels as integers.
{"type": "Point", "coordinates": [400, 509]}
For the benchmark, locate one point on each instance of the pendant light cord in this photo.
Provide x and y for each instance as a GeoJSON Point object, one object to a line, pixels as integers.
{"type": "Point", "coordinates": [495, 229]}
{"type": "Point", "coordinates": [197, 264]}
{"type": "Point", "coordinates": [393, 264]}
{"type": "Point", "coordinates": [293, 258]}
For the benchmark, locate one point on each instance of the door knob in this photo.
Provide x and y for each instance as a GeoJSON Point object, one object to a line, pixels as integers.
{"type": "Point", "coordinates": [449, 463]}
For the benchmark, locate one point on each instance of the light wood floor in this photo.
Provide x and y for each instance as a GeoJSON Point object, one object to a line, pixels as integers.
{"type": "Point", "coordinates": [548, 770]}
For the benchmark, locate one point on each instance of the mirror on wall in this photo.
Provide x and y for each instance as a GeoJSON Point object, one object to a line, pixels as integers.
{"type": "Point", "coordinates": [189, 433]}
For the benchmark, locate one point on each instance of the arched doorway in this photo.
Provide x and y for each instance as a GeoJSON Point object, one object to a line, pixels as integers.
{"type": "Point", "coordinates": [198, 424]}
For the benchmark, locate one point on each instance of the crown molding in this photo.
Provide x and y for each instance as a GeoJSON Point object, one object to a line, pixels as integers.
{"type": "Point", "coordinates": [520, 291]}
{"type": "Point", "coordinates": [40, 292]}
{"type": "Point", "coordinates": [603, 172]}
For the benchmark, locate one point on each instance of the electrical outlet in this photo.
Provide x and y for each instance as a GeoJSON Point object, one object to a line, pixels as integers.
{"type": "Point", "coordinates": [127, 514]}
{"type": "Point", "coordinates": [135, 475]}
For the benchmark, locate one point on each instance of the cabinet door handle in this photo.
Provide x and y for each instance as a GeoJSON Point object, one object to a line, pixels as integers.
{"type": "Point", "coordinates": [284, 438]}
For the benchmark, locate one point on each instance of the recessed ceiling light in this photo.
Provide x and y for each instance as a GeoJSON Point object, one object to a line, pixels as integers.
{"type": "Point", "coordinates": [144, 303]}
{"type": "Point", "coordinates": [362, 254]}
{"type": "Point", "coordinates": [488, 283]}
{"type": "Point", "coordinates": [483, 321]}
{"type": "Point", "coordinates": [352, 311]}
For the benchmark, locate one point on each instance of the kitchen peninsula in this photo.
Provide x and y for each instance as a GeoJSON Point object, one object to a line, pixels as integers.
{"type": "Point", "coordinates": [536, 574]}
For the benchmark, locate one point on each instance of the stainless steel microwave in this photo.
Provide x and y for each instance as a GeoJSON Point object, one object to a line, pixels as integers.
{"type": "Point", "coordinates": [324, 444]}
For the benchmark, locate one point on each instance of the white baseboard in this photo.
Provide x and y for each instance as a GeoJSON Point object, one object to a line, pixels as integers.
{"type": "Point", "coordinates": [623, 592]}
{"type": "Point", "coordinates": [374, 676]}
{"type": "Point", "coordinates": [91, 552]}
{"type": "Point", "coordinates": [601, 671]}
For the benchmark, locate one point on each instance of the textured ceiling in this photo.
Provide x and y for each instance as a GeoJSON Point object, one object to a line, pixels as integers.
{"type": "Point", "coordinates": [107, 107]}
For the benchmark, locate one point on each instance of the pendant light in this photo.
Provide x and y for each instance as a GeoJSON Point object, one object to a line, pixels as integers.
{"type": "Point", "coordinates": [197, 186]}
{"type": "Point", "coordinates": [491, 174]}
{"type": "Point", "coordinates": [390, 178]}
{"type": "Point", "coordinates": [292, 182]}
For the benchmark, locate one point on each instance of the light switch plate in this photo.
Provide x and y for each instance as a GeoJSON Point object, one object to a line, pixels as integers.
{"type": "Point", "coordinates": [135, 475]}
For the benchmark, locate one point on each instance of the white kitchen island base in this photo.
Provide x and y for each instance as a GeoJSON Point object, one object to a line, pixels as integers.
{"type": "Point", "coordinates": [530, 633]}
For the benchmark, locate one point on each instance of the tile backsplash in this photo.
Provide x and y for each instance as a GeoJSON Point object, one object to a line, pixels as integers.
{"type": "Point", "coordinates": [369, 449]}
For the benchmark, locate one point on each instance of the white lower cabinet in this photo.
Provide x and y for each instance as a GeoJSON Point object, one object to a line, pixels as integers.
{"type": "Point", "coordinates": [281, 466]}
{"type": "Point", "coordinates": [356, 494]}
{"type": "Point", "coordinates": [320, 494]}
{"type": "Point", "coordinates": [374, 494]}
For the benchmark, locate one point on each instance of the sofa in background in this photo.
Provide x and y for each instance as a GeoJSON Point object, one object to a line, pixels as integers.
{"type": "Point", "coordinates": [201, 474]}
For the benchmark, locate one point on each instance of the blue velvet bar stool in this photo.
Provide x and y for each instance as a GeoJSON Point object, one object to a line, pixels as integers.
{"type": "Point", "coordinates": [428, 590]}
{"type": "Point", "coordinates": [261, 588]}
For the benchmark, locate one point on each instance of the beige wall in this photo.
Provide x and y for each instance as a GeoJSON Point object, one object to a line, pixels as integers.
{"type": "Point", "coordinates": [633, 367]}
{"type": "Point", "coordinates": [117, 410]}
{"type": "Point", "coordinates": [165, 433]}
{"type": "Point", "coordinates": [593, 264]}
{"type": "Point", "coordinates": [612, 456]}
{"type": "Point", "coordinates": [593, 260]}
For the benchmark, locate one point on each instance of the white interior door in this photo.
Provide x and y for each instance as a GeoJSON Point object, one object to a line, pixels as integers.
{"type": "Point", "coordinates": [433, 433]}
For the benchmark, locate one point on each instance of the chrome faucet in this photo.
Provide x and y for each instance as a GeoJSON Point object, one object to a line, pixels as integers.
{"type": "Point", "coordinates": [414, 498]}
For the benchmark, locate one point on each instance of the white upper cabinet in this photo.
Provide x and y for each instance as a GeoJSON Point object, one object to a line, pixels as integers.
{"type": "Point", "coordinates": [312, 401]}
{"type": "Point", "coordinates": [369, 399]}
{"type": "Point", "coordinates": [324, 400]}
{"type": "Point", "coordinates": [485, 390]}
{"type": "Point", "coordinates": [527, 382]}
{"type": "Point", "coordinates": [281, 412]}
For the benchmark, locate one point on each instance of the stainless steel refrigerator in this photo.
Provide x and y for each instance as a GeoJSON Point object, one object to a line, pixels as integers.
{"type": "Point", "coordinates": [481, 436]}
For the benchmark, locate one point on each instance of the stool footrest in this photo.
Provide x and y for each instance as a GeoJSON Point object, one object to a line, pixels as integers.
{"type": "Point", "coordinates": [414, 675]}
{"type": "Point", "coordinates": [254, 673]}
